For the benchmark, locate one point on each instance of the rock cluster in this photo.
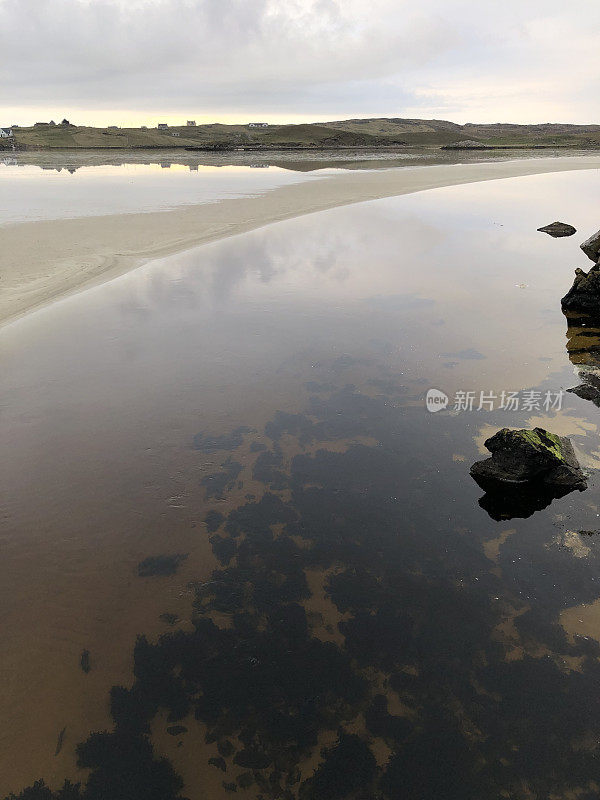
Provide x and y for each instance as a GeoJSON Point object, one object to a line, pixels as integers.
{"type": "Point", "coordinates": [584, 295]}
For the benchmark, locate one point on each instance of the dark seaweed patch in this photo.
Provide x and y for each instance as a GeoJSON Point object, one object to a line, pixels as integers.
{"type": "Point", "coordinates": [214, 520]}
{"type": "Point", "coordinates": [160, 565]}
{"type": "Point", "coordinates": [60, 741]}
{"type": "Point", "coordinates": [268, 470]}
{"type": "Point", "coordinates": [224, 480]}
{"type": "Point", "coordinates": [225, 748]}
{"type": "Point", "coordinates": [347, 768]}
{"type": "Point", "coordinates": [223, 548]}
{"type": "Point", "coordinates": [39, 791]}
{"type": "Point", "coordinates": [398, 543]}
{"type": "Point", "coordinates": [176, 730]}
{"type": "Point", "coordinates": [211, 443]}
{"type": "Point", "coordinates": [84, 661]}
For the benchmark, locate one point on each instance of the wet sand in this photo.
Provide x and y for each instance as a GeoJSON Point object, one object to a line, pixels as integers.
{"type": "Point", "coordinates": [43, 261]}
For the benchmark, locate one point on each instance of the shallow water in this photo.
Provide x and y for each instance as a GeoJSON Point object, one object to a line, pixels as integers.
{"type": "Point", "coordinates": [29, 192]}
{"type": "Point", "coordinates": [252, 412]}
{"type": "Point", "coordinates": [40, 185]}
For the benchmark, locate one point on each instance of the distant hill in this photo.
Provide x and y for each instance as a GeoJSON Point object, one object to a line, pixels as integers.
{"type": "Point", "coordinates": [352, 133]}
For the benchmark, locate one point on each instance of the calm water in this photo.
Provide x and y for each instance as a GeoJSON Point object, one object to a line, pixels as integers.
{"type": "Point", "coordinates": [53, 185]}
{"type": "Point", "coordinates": [29, 192]}
{"type": "Point", "coordinates": [228, 453]}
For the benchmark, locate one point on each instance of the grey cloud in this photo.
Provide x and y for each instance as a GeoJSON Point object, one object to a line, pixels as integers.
{"type": "Point", "coordinates": [296, 56]}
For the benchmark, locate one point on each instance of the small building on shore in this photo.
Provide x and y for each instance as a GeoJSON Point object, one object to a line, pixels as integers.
{"type": "Point", "coordinates": [162, 126]}
{"type": "Point", "coordinates": [258, 124]}
{"type": "Point", "coordinates": [6, 133]}
{"type": "Point", "coordinates": [191, 123]}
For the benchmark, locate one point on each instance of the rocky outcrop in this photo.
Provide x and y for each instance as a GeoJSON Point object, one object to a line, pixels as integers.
{"type": "Point", "coordinates": [591, 247]}
{"type": "Point", "coordinates": [584, 295]}
{"type": "Point", "coordinates": [558, 229]}
{"type": "Point", "coordinates": [521, 457]}
{"type": "Point", "coordinates": [528, 469]}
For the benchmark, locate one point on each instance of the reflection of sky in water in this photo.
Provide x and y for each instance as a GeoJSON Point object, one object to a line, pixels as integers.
{"type": "Point", "coordinates": [341, 321]}
{"type": "Point", "coordinates": [427, 286]}
{"type": "Point", "coordinates": [30, 193]}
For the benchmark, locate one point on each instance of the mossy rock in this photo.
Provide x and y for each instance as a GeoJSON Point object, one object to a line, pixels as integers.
{"type": "Point", "coordinates": [520, 457]}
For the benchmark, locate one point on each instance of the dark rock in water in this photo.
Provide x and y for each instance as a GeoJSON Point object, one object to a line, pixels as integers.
{"type": "Point", "coordinates": [584, 295]}
{"type": "Point", "coordinates": [527, 471]}
{"type": "Point", "coordinates": [558, 229]}
{"type": "Point", "coordinates": [521, 457]}
{"type": "Point", "coordinates": [591, 247]}
{"type": "Point", "coordinates": [587, 391]}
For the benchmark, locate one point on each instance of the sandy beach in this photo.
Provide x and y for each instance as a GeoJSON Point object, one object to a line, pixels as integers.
{"type": "Point", "coordinates": [46, 260]}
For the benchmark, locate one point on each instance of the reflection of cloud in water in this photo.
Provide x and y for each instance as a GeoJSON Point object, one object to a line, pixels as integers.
{"type": "Point", "coordinates": [469, 354]}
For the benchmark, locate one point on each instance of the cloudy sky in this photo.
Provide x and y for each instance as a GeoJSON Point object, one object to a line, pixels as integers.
{"type": "Point", "coordinates": [134, 61]}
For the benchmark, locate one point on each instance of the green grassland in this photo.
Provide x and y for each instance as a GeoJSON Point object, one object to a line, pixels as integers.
{"type": "Point", "coordinates": [366, 133]}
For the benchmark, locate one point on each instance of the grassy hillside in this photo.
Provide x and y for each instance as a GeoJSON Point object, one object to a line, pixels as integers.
{"type": "Point", "coordinates": [367, 133]}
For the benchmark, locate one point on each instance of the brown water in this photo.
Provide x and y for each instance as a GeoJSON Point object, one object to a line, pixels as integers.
{"type": "Point", "coordinates": [291, 363]}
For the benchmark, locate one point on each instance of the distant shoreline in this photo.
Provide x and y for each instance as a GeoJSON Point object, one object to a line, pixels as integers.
{"type": "Point", "coordinates": [43, 261]}
{"type": "Point", "coordinates": [374, 133]}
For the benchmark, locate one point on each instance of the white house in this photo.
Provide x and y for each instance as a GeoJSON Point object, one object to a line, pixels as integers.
{"type": "Point", "coordinates": [258, 124]}
{"type": "Point", "coordinates": [191, 123]}
{"type": "Point", "coordinates": [5, 133]}
{"type": "Point", "coordinates": [162, 126]}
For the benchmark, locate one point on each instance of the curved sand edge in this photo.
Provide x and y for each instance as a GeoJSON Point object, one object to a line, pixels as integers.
{"type": "Point", "coordinates": [45, 260]}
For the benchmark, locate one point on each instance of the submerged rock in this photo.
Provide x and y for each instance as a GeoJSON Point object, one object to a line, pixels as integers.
{"type": "Point", "coordinates": [591, 247]}
{"type": "Point", "coordinates": [558, 229]}
{"type": "Point", "coordinates": [584, 295]}
{"type": "Point", "coordinates": [522, 457]}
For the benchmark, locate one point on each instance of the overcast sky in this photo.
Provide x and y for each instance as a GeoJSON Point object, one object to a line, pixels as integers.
{"type": "Point", "coordinates": [135, 61]}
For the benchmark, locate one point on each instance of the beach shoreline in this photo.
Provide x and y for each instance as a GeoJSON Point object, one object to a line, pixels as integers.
{"type": "Point", "coordinates": [43, 261]}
